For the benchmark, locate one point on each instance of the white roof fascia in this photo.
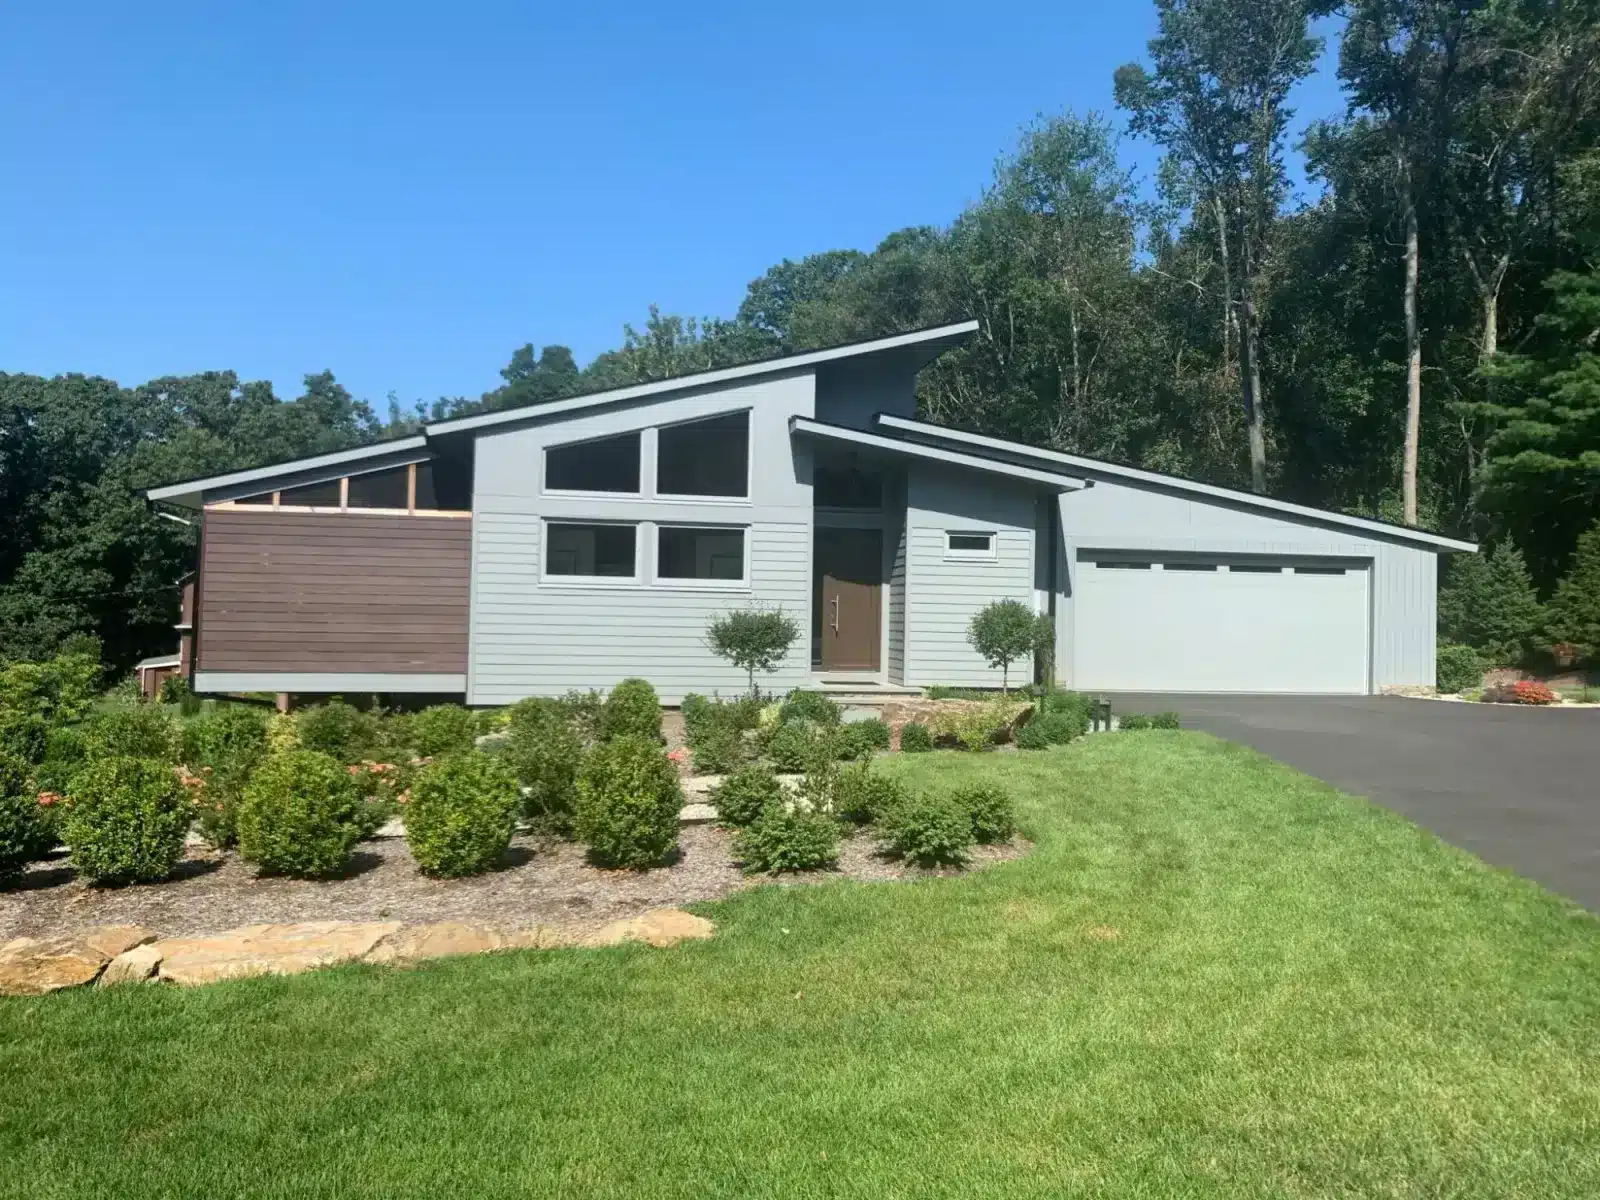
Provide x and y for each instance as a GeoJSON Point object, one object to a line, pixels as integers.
{"type": "Point", "coordinates": [175, 492]}
{"type": "Point", "coordinates": [954, 458]}
{"type": "Point", "coordinates": [1172, 482]}
{"type": "Point", "coordinates": [771, 366]}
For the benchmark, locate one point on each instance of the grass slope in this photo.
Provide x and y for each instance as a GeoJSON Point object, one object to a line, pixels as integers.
{"type": "Point", "coordinates": [1215, 977]}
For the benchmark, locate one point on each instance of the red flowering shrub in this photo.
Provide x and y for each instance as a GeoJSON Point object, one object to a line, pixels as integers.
{"type": "Point", "coordinates": [1523, 691]}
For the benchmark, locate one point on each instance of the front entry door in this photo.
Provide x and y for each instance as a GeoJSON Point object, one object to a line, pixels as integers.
{"type": "Point", "coordinates": [849, 615]}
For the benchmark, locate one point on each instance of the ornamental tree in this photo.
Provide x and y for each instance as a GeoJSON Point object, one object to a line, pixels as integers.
{"type": "Point", "coordinates": [1002, 632]}
{"type": "Point", "coordinates": [755, 639]}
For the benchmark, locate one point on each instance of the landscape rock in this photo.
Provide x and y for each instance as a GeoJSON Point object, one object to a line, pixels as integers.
{"type": "Point", "coordinates": [269, 949]}
{"type": "Point", "coordinates": [112, 940]}
{"type": "Point", "coordinates": [440, 939]}
{"type": "Point", "coordinates": [539, 937]}
{"type": "Point", "coordinates": [38, 966]}
{"type": "Point", "coordinates": [658, 927]}
{"type": "Point", "coordinates": [136, 965]}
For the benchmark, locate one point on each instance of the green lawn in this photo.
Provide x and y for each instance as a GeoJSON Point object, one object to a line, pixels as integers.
{"type": "Point", "coordinates": [1214, 977]}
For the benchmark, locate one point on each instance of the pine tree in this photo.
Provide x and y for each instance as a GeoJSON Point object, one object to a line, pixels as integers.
{"type": "Point", "coordinates": [1489, 604]}
{"type": "Point", "coordinates": [1462, 598]}
{"type": "Point", "coordinates": [1574, 614]}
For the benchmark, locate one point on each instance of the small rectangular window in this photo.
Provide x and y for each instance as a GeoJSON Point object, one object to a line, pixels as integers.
{"type": "Point", "coordinates": [968, 545]}
{"type": "Point", "coordinates": [1255, 569]}
{"type": "Point", "coordinates": [1188, 566]}
{"type": "Point", "coordinates": [1121, 564]}
{"type": "Point", "coordinates": [311, 495]}
{"type": "Point", "coordinates": [591, 551]}
{"type": "Point", "coordinates": [705, 458]}
{"type": "Point", "coordinates": [702, 555]}
{"type": "Point", "coordinates": [262, 501]}
{"type": "Point", "coordinates": [379, 489]}
{"type": "Point", "coordinates": [1319, 570]}
{"type": "Point", "coordinates": [604, 465]}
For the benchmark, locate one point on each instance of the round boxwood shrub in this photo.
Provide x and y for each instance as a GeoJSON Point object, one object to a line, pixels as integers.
{"type": "Point", "coordinates": [861, 738]}
{"type": "Point", "coordinates": [810, 706]}
{"type": "Point", "coordinates": [544, 751]}
{"type": "Point", "coordinates": [862, 795]}
{"type": "Point", "coordinates": [1165, 720]}
{"type": "Point", "coordinates": [741, 798]}
{"type": "Point", "coordinates": [1048, 729]}
{"type": "Point", "coordinates": [142, 731]}
{"type": "Point", "coordinates": [443, 729]}
{"type": "Point", "coordinates": [1133, 722]}
{"type": "Point", "coordinates": [1457, 668]}
{"type": "Point", "coordinates": [126, 820]}
{"type": "Point", "coordinates": [629, 800]}
{"type": "Point", "coordinates": [300, 814]}
{"type": "Point", "coordinates": [795, 746]}
{"type": "Point", "coordinates": [234, 733]}
{"type": "Point", "coordinates": [928, 829]}
{"type": "Point", "coordinates": [993, 815]}
{"type": "Point", "coordinates": [631, 710]}
{"type": "Point", "coordinates": [22, 829]}
{"type": "Point", "coordinates": [339, 730]}
{"type": "Point", "coordinates": [787, 838]}
{"type": "Point", "coordinates": [461, 815]}
{"type": "Point", "coordinates": [915, 738]}
{"type": "Point", "coordinates": [718, 751]}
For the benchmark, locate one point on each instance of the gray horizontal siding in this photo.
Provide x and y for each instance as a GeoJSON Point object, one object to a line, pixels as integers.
{"type": "Point", "coordinates": [897, 611]}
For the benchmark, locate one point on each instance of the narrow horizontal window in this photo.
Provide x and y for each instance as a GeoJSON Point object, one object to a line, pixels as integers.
{"type": "Point", "coordinates": [1319, 570]}
{"type": "Point", "coordinates": [968, 545]}
{"type": "Point", "coordinates": [846, 487]}
{"type": "Point", "coordinates": [1254, 569]}
{"type": "Point", "coordinates": [1188, 566]}
{"type": "Point", "coordinates": [311, 495]}
{"type": "Point", "coordinates": [604, 465]}
{"type": "Point", "coordinates": [379, 489]}
{"type": "Point", "coordinates": [704, 555]}
{"type": "Point", "coordinates": [1121, 564]}
{"type": "Point", "coordinates": [591, 551]}
{"type": "Point", "coordinates": [704, 458]}
{"type": "Point", "coordinates": [264, 500]}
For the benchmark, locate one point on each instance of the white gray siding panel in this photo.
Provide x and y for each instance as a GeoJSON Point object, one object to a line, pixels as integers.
{"type": "Point", "coordinates": [942, 595]}
{"type": "Point", "coordinates": [897, 610]}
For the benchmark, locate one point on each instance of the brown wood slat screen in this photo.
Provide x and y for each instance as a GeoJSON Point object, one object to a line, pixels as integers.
{"type": "Point", "coordinates": [288, 591]}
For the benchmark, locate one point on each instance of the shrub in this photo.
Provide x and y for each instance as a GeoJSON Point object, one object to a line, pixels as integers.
{"type": "Point", "coordinates": [443, 729]}
{"type": "Point", "coordinates": [785, 838]}
{"type": "Point", "coordinates": [869, 735]}
{"type": "Point", "coordinates": [283, 733]}
{"type": "Point", "coordinates": [915, 738]}
{"type": "Point", "coordinates": [629, 799]}
{"type": "Point", "coordinates": [740, 798]}
{"type": "Point", "coordinates": [1052, 728]}
{"type": "Point", "coordinates": [23, 735]}
{"type": "Point", "coordinates": [339, 730]}
{"type": "Point", "coordinates": [140, 732]}
{"type": "Point", "coordinates": [175, 689]}
{"type": "Point", "coordinates": [928, 829]}
{"type": "Point", "coordinates": [993, 816]}
{"type": "Point", "coordinates": [1165, 720]}
{"type": "Point", "coordinates": [544, 752]}
{"type": "Point", "coordinates": [461, 815]}
{"type": "Point", "coordinates": [1133, 722]}
{"type": "Point", "coordinates": [810, 706]}
{"type": "Point", "coordinates": [793, 746]}
{"type": "Point", "coordinates": [753, 639]}
{"type": "Point", "coordinates": [863, 795]}
{"type": "Point", "coordinates": [974, 728]}
{"type": "Point", "coordinates": [1075, 707]}
{"type": "Point", "coordinates": [61, 689]}
{"type": "Point", "coordinates": [631, 710]}
{"type": "Point", "coordinates": [1457, 668]}
{"type": "Point", "coordinates": [232, 732]}
{"type": "Point", "coordinates": [1035, 735]}
{"type": "Point", "coordinates": [64, 753]}
{"type": "Point", "coordinates": [718, 752]}
{"type": "Point", "coordinates": [22, 830]}
{"type": "Point", "coordinates": [301, 814]}
{"type": "Point", "coordinates": [1002, 632]}
{"type": "Point", "coordinates": [703, 718]}
{"type": "Point", "coordinates": [126, 820]}
{"type": "Point", "coordinates": [1523, 691]}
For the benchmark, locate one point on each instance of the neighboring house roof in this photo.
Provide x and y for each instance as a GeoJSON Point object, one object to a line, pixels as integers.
{"type": "Point", "coordinates": [1090, 468]}
{"type": "Point", "coordinates": [923, 345]}
{"type": "Point", "coordinates": [163, 660]}
{"type": "Point", "coordinates": [899, 447]}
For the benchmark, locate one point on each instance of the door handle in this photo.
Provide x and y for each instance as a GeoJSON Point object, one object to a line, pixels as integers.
{"type": "Point", "coordinates": [835, 621]}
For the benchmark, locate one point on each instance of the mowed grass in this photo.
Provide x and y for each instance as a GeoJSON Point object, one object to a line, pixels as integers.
{"type": "Point", "coordinates": [1214, 977]}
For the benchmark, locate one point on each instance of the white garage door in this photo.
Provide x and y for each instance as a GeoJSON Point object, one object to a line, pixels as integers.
{"type": "Point", "coordinates": [1193, 623]}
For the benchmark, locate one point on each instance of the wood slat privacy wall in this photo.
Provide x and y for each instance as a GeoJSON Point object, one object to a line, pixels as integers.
{"type": "Point", "coordinates": [333, 592]}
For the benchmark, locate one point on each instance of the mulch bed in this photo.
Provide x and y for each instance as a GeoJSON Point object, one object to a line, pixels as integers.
{"type": "Point", "coordinates": [542, 881]}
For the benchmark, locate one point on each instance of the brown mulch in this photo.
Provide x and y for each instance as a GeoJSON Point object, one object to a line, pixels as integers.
{"type": "Point", "coordinates": [541, 881]}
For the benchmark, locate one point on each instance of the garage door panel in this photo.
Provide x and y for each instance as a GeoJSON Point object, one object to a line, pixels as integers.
{"type": "Point", "coordinates": [1232, 629]}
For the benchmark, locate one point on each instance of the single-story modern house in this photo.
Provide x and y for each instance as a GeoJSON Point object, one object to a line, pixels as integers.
{"type": "Point", "coordinates": [575, 543]}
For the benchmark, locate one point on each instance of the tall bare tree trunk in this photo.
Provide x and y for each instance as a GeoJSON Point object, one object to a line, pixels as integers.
{"type": "Point", "coordinates": [1250, 371]}
{"type": "Point", "coordinates": [1408, 474]}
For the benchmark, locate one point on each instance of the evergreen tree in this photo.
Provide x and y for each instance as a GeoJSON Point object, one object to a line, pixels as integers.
{"type": "Point", "coordinates": [1489, 604]}
{"type": "Point", "coordinates": [1575, 608]}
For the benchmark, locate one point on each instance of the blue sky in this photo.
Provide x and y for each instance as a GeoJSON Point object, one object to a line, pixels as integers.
{"type": "Point", "coordinates": [405, 193]}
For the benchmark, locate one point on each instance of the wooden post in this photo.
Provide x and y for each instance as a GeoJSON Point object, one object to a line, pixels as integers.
{"type": "Point", "coordinates": [411, 488]}
{"type": "Point", "coordinates": [275, 496]}
{"type": "Point", "coordinates": [283, 702]}
{"type": "Point", "coordinates": [344, 493]}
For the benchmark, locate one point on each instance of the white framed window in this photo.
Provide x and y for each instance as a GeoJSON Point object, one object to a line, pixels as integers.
{"type": "Point", "coordinates": [703, 556]}
{"type": "Point", "coordinates": [970, 545]}
{"type": "Point", "coordinates": [607, 466]}
{"type": "Point", "coordinates": [708, 458]}
{"type": "Point", "coordinates": [591, 552]}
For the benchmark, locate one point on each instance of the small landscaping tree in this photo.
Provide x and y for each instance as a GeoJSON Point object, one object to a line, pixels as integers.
{"type": "Point", "coordinates": [1575, 608]}
{"type": "Point", "coordinates": [1003, 632]}
{"type": "Point", "coordinates": [754, 639]}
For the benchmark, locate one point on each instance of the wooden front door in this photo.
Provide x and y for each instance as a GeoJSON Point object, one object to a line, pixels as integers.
{"type": "Point", "coordinates": [849, 593]}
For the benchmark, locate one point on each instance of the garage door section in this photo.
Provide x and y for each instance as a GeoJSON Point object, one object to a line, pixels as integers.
{"type": "Point", "coordinates": [1229, 624]}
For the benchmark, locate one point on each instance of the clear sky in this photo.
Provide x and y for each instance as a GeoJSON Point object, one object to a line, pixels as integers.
{"type": "Point", "coordinates": [404, 193]}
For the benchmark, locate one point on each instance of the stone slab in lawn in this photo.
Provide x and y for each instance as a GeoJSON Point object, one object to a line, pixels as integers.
{"type": "Point", "coordinates": [137, 965]}
{"type": "Point", "coordinates": [269, 949]}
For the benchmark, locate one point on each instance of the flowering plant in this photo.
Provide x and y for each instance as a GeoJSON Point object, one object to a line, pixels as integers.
{"type": "Point", "coordinates": [1523, 691]}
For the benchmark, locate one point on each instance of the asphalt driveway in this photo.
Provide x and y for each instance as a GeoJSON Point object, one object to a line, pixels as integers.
{"type": "Point", "coordinates": [1520, 788]}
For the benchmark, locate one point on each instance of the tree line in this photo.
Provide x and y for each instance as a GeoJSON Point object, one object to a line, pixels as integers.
{"type": "Point", "coordinates": [1415, 342]}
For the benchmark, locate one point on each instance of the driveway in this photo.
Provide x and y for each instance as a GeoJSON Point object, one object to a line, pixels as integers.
{"type": "Point", "coordinates": [1520, 788]}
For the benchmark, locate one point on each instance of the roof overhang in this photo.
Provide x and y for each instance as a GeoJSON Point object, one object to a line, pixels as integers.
{"type": "Point", "coordinates": [1092, 468]}
{"type": "Point", "coordinates": [1054, 481]}
{"type": "Point", "coordinates": [191, 493]}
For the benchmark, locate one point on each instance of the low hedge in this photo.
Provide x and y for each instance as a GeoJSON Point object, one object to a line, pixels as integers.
{"type": "Point", "coordinates": [915, 738]}
{"type": "Point", "coordinates": [461, 814]}
{"type": "Point", "coordinates": [929, 829]}
{"type": "Point", "coordinates": [126, 820]}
